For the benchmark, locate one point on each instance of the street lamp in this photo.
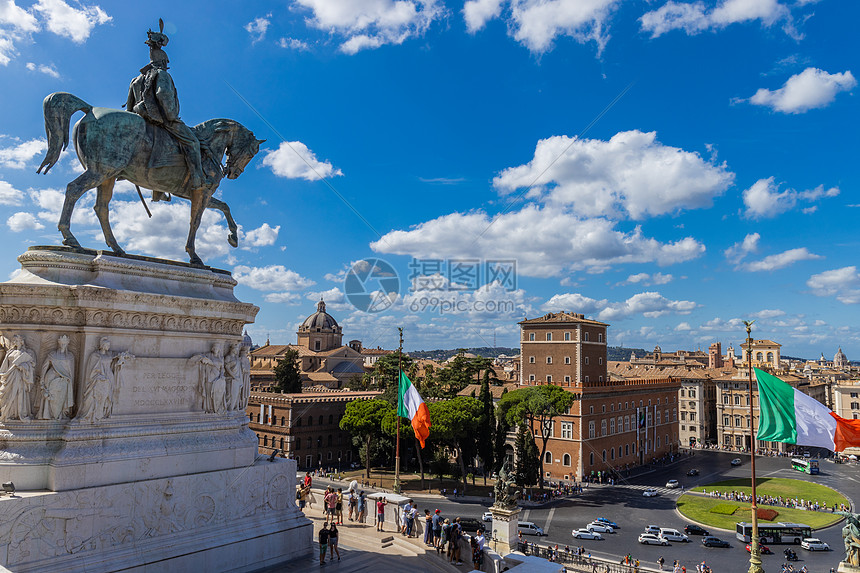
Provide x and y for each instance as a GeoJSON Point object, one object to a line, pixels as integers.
{"type": "Point", "coordinates": [755, 550]}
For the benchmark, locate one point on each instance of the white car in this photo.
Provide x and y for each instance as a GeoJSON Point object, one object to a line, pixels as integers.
{"type": "Point", "coordinates": [651, 539]}
{"type": "Point", "coordinates": [814, 544]}
{"type": "Point", "coordinates": [488, 516]}
{"type": "Point", "coordinates": [672, 484]}
{"type": "Point", "coordinates": [736, 462]}
{"type": "Point", "coordinates": [600, 527]}
{"type": "Point", "coordinates": [650, 493]}
{"type": "Point", "coordinates": [652, 529]}
{"type": "Point", "coordinates": [585, 534]}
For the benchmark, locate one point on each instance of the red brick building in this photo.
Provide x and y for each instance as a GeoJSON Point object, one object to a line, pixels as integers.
{"type": "Point", "coordinates": [305, 427]}
{"type": "Point", "coordinates": [615, 424]}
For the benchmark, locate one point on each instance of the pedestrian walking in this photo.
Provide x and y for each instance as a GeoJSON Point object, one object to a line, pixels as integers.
{"type": "Point", "coordinates": [437, 522]}
{"type": "Point", "coordinates": [660, 562]}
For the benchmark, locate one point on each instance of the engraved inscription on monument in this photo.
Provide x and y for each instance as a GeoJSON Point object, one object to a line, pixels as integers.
{"type": "Point", "coordinates": [159, 385]}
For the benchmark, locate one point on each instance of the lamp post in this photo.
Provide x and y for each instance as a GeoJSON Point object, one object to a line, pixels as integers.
{"type": "Point", "coordinates": [755, 550]}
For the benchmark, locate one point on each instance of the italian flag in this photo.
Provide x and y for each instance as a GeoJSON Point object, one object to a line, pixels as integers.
{"type": "Point", "coordinates": [411, 405]}
{"type": "Point", "coordinates": [790, 416]}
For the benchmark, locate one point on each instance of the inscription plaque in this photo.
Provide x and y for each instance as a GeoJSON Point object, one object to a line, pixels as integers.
{"type": "Point", "coordinates": [159, 385]}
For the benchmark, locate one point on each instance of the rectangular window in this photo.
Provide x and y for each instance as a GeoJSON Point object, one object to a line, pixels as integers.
{"type": "Point", "coordinates": [549, 378]}
{"type": "Point", "coordinates": [682, 392]}
{"type": "Point", "coordinates": [531, 359]}
{"type": "Point", "coordinates": [591, 429]}
{"type": "Point", "coordinates": [585, 336]}
{"type": "Point", "coordinates": [692, 393]}
{"type": "Point", "coordinates": [599, 337]}
{"type": "Point", "coordinates": [612, 426]}
{"type": "Point", "coordinates": [567, 359]}
{"type": "Point", "coordinates": [549, 359]}
{"type": "Point", "coordinates": [626, 423]}
{"type": "Point", "coordinates": [692, 416]}
{"type": "Point", "coordinates": [531, 377]}
{"type": "Point", "coordinates": [567, 336]}
{"type": "Point", "coordinates": [586, 378]}
{"type": "Point", "coordinates": [531, 335]}
{"type": "Point", "coordinates": [586, 360]}
{"type": "Point", "coordinates": [567, 430]}
{"type": "Point", "coordinates": [567, 380]}
{"type": "Point", "coordinates": [737, 421]}
{"type": "Point", "coordinates": [602, 427]}
{"type": "Point", "coordinates": [683, 416]}
{"type": "Point", "coordinates": [600, 360]}
{"type": "Point", "coordinates": [727, 421]}
{"type": "Point", "coordinates": [549, 335]}
{"type": "Point", "coordinates": [739, 440]}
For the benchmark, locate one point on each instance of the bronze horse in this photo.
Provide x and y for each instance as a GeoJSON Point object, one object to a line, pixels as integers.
{"type": "Point", "coordinates": [113, 144]}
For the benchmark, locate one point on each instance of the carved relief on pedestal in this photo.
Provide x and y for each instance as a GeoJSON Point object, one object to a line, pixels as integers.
{"type": "Point", "coordinates": [213, 384]}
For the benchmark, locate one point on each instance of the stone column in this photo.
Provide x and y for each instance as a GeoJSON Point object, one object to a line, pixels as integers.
{"type": "Point", "coordinates": [505, 522]}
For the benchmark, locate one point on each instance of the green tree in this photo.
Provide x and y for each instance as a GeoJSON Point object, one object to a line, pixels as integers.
{"type": "Point", "coordinates": [537, 406]}
{"type": "Point", "coordinates": [454, 424]}
{"type": "Point", "coordinates": [486, 427]}
{"type": "Point", "coordinates": [287, 375]}
{"type": "Point", "coordinates": [457, 374]}
{"type": "Point", "coordinates": [528, 461]}
{"type": "Point", "coordinates": [363, 420]}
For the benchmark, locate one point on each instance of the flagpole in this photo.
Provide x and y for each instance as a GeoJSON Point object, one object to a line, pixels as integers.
{"type": "Point", "coordinates": [397, 439]}
{"type": "Point", "coordinates": [755, 550]}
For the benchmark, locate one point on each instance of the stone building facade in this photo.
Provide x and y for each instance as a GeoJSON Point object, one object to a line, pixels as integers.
{"type": "Point", "coordinates": [304, 427]}
{"type": "Point", "coordinates": [616, 423]}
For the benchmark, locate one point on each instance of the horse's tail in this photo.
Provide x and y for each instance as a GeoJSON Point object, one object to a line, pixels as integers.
{"type": "Point", "coordinates": [59, 108]}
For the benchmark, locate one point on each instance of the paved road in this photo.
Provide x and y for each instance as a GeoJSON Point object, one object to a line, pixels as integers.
{"type": "Point", "coordinates": [625, 505]}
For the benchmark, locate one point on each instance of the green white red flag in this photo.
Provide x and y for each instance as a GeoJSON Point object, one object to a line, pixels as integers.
{"type": "Point", "coordinates": [788, 415]}
{"type": "Point", "coordinates": [411, 405]}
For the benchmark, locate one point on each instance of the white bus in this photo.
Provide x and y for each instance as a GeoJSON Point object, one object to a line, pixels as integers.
{"type": "Point", "coordinates": [775, 532]}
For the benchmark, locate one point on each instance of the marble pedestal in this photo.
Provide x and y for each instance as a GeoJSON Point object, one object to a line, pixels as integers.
{"type": "Point", "coordinates": [152, 460]}
{"type": "Point", "coordinates": [505, 523]}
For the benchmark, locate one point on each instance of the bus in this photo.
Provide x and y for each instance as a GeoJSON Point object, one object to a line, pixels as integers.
{"type": "Point", "coordinates": [804, 465]}
{"type": "Point", "coordinates": [775, 532]}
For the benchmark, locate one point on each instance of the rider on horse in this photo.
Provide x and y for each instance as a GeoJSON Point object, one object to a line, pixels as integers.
{"type": "Point", "coordinates": [152, 95]}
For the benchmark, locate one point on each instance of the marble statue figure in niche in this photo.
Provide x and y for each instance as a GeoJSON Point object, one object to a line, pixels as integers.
{"type": "Point", "coordinates": [233, 373]}
{"type": "Point", "coordinates": [213, 385]}
{"type": "Point", "coordinates": [245, 364]}
{"type": "Point", "coordinates": [103, 382]}
{"type": "Point", "coordinates": [58, 395]}
{"type": "Point", "coordinates": [17, 373]}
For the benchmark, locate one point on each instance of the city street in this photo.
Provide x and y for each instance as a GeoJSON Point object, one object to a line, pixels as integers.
{"type": "Point", "coordinates": [625, 505]}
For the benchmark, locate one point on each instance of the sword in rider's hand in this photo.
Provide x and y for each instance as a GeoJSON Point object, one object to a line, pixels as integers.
{"type": "Point", "coordinates": [139, 194]}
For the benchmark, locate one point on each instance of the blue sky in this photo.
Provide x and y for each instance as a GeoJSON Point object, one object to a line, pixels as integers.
{"type": "Point", "coordinates": [671, 168]}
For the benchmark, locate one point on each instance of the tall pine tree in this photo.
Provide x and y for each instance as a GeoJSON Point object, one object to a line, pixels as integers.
{"type": "Point", "coordinates": [487, 427]}
{"type": "Point", "coordinates": [288, 379]}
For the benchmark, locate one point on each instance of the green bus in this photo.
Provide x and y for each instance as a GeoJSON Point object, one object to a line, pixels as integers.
{"type": "Point", "coordinates": [804, 465]}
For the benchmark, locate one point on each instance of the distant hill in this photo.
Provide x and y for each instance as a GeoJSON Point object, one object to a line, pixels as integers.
{"type": "Point", "coordinates": [613, 352]}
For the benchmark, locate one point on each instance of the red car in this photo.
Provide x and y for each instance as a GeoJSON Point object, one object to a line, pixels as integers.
{"type": "Point", "coordinates": [765, 550]}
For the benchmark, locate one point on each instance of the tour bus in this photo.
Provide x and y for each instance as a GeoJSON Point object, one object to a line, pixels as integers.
{"type": "Point", "coordinates": [804, 465]}
{"type": "Point", "coordinates": [775, 532]}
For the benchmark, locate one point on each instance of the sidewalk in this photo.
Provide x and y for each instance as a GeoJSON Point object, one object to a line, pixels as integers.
{"type": "Point", "coordinates": [364, 549]}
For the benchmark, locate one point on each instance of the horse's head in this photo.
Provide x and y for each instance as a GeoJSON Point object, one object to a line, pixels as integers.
{"type": "Point", "coordinates": [240, 151]}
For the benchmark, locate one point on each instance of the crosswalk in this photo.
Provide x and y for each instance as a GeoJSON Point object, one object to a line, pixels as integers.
{"type": "Point", "coordinates": [660, 490]}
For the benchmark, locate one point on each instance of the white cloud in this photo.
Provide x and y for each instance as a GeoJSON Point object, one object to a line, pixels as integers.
{"type": "Point", "coordinates": [293, 44]}
{"type": "Point", "coordinates": [694, 18]}
{"type": "Point", "coordinates": [288, 298]}
{"type": "Point", "coordinates": [15, 24]}
{"type": "Point", "coordinates": [763, 199]}
{"type": "Point", "coordinates": [842, 283]}
{"type": "Point", "coordinates": [51, 201]}
{"type": "Point", "coordinates": [271, 278]}
{"type": "Point", "coordinates": [487, 301]}
{"type": "Point", "coordinates": [263, 236]}
{"type": "Point", "coordinates": [545, 241]}
{"type": "Point", "coordinates": [740, 250]}
{"type": "Point", "coordinates": [48, 70]}
{"type": "Point", "coordinates": [647, 304]}
{"type": "Point", "coordinates": [537, 23]}
{"type": "Point", "coordinates": [367, 24]}
{"type": "Point", "coordinates": [23, 222]}
{"type": "Point", "coordinates": [683, 327]}
{"type": "Point", "coordinates": [294, 160]}
{"type": "Point", "coordinates": [810, 89]}
{"type": "Point", "coordinates": [768, 313]}
{"type": "Point", "coordinates": [632, 174]}
{"type": "Point", "coordinates": [17, 156]}
{"type": "Point", "coordinates": [781, 260]}
{"type": "Point", "coordinates": [257, 28]}
{"type": "Point", "coordinates": [9, 195]}
{"type": "Point", "coordinates": [478, 12]}
{"type": "Point", "coordinates": [73, 23]}
{"type": "Point", "coordinates": [648, 280]}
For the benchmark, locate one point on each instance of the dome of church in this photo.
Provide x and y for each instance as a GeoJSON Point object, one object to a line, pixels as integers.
{"type": "Point", "coordinates": [246, 340]}
{"type": "Point", "coordinates": [320, 319]}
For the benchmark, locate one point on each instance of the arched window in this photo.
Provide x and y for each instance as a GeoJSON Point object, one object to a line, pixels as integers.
{"type": "Point", "coordinates": [330, 419]}
{"type": "Point", "coordinates": [547, 458]}
{"type": "Point", "coordinates": [591, 459]}
{"type": "Point", "coordinates": [298, 443]}
{"type": "Point", "coordinates": [770, 356]}
{"type": "Point", "coordinates": [619, 451]}
{"type": "Point", "coordinates": [626, 449]}
{"type": "Point", "coordinates": [612, 453]}
{"type": "Point", "coordinates": [283, 421]}
{"type": "Point", "coordinates": [282, 443]}
{"type": "Point", "coordinates": [604, 455]}
{"type": "Point", "coordinates": [265, 441]}
{"type": "Point", "coordinates": [321, 421]}
{"type": "Point", "coordinates": [566, 459]}
{"type": "Point", "coordinates": [759, 356]}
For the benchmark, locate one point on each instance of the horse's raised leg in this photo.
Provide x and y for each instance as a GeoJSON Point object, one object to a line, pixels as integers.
{"type": "Point", "coordinates": [198, 201]}
{"type": "Point", "coordinates": [233, 238]}
{"type": "Point", "coordinates": [80, 185]}
{"type": "Point", "coordinates": [103, 197]}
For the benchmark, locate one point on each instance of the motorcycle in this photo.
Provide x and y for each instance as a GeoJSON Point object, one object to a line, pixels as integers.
{"type": "Point", "coordinates": [790, 555]}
